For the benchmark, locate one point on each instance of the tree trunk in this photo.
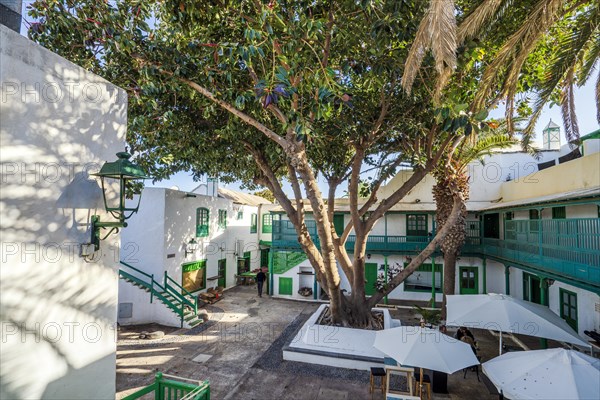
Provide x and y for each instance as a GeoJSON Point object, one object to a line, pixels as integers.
{"type": "Point", "coordinates": [449, 278]}
{"type": "Point", "coordinates": [444, 198]}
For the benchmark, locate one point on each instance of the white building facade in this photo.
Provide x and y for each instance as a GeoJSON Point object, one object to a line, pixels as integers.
{"type": "Point", "coordinates": [59, 124]}
{"type": "Point", "coordinates": [194, 241]}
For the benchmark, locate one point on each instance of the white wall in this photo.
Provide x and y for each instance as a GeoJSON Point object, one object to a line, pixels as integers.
{"type": "Point", "coordinates": [157, 237]}
{"type": "Point", "coordinates": [58, 123]}
{"type": "Point", "coordinates": [142, 246]}
{"type": "Point", "coordinates": [485, 179]}
{"type": "Point", "coordinates": [591, 146]}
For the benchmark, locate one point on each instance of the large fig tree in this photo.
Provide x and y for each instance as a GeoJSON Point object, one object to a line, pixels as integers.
{"type": "Point", "coordinates": [267, 92]}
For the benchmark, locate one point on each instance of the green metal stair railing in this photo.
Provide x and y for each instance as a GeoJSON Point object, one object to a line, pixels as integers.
{"type": "Point", "coordinates": [173, 389]}
{"type": "Point", "coordinates": [166, 293]}
{"type": "Point", "coordinates": [171, 285]}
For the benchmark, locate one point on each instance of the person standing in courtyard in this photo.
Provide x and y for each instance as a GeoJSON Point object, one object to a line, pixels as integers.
{"type": "Point", "coordinates": [261, 277]}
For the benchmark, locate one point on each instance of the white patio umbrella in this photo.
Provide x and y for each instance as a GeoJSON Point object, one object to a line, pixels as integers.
{"type": "Point", "coordinates": [545, 374]}
{"type": "Point", "coordinates": [504, 313]}
{"type": "Point", "coordinates": [425, 348]}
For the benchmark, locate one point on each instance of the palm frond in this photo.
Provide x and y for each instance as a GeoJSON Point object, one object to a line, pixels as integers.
{"type": "Point", "coordinates": [592, 53]}
{"type": "Point", "coordinates": [437, 31]}
{"type": "Point", "coordinates": [474, 22]}
{"type": "Point", "coordinates": [486, 146]}
{"type": "Point", "coordinates": [441, 83]}
{"type": "Point", "coordinates": [417, 51]}
{"type": "Point", "coordinates": [567, 105]}
{"type": "Point", "coordinates": [571, 48]}
{"type": "Point", "coordinates": [516, 49]}
{"type": "Point", "coordinates": [443, 35]}
{"type": "Point", "coordinates": [508, 115]}
{"type": "Point", "coordinates": [598, 98]}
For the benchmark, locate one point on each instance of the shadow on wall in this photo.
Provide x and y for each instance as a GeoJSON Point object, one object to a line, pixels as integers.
{"type": "Point", "coordinates": [55, 319]}
{"type": "Point", "coordinates": [59, 123]}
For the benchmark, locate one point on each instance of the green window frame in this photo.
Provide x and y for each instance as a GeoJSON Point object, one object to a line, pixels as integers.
{"type": "Point", "coordinates": [568, 307]}
{"type": "Point", "coordinates": [240, 215]}
{"type": "Point", "coordinates": [253, 223]}
{"type": "Point", "coordinates": [267, 223]}
{"type": "Point", "coordinates": [559, 212]}
{"type": "Point", "coordinates": [416, 224]}
{"type": "Point", "coordinates": [509, 215]}
{"type": "Point", "coordinates": [223, 219]}
{"type": "Point", "coordinates": [202, 222]}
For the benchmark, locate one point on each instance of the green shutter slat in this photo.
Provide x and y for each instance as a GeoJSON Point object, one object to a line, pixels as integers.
{"type": "Point", "coordinates": [285, 286]}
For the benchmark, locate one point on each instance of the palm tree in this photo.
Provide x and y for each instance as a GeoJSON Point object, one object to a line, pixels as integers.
{"type": "Point", "coordinates": [569, 29]}
{"type": "Point", "coordinates": [452, 178]}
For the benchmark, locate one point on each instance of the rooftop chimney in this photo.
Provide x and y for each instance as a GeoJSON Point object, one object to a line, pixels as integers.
{"type": "Point", "coordinates": [10, 14]}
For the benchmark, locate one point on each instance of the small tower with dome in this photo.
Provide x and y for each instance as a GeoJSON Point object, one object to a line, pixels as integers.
{"type": "Point", "coordinates": [551, 136]}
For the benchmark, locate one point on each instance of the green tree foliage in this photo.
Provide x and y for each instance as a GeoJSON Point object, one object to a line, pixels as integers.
{"type": "Point", "coordinates": [265, 194]}
{"type": "Point", "coordinates": [260, 92]}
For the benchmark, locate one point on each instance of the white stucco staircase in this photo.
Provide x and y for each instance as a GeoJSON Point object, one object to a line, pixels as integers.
{"type": "Point", "coordinates": [181, 302]}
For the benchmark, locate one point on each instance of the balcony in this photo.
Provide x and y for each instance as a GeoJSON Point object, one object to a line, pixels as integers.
{"type": "Point", "coordinates": [565, 247]}
{"type": "Point", "coordinates": [569, 248]}
{"type": "Point", "coordinates": [405, 244]}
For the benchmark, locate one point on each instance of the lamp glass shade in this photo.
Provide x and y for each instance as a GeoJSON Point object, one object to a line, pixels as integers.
{"type": "Point", "coordinates": [121, 170]}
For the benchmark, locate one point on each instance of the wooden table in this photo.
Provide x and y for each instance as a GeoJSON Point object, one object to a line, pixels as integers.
{"type": "Point", "coordinates": [247, 278]}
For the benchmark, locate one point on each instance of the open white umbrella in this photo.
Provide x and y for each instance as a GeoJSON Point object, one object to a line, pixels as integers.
{"type": "Point", "coordinates": [425, 348]}
{"type": "Point", "coordinates": [504, 313]}
{"type": "Point", "coordinates": [545, 374]}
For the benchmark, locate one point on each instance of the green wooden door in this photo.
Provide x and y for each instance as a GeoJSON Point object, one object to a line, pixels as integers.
{"type": "Point", "coordinates": [469, 280]}
{"type": "Point", "coordinates": [264, 257]}
{"type": "Point", "coordinates": [338, 223]}
{"type": "Point", "coordinates": [285, 285]}
{"type": "Point", "coordinates": [568, 307]}
{"type": "Point", "coordinates": [222, 265]}
{"type": "Point", "coordinates": [370, 278]}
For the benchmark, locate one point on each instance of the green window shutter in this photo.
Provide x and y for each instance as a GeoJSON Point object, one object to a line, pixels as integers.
{"type": "Point", "coordinates": [416, 224]}
{"type": "Point", "coordinates": [253, 223]}
{"type": "Point", "coordinates": [285, 285]}
{"type": "Point", "coordinates": [267, 223]}
{"type": "Point", "coordinates": [222, 219]}
{"type": "Point", "coordinates": [338, 223]}
{"type": "Point", "coordinates": [559, 212]}
{"type": "Point", "coordinates": [568, 307]}
{"type": "Point", "coordinates": [202, 220]}
{"type": "Point", "coordinates": [240, 215]}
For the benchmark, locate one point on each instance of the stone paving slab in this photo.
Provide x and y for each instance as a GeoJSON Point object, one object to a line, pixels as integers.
{"type": "Point", "coordinates": [244, 340]}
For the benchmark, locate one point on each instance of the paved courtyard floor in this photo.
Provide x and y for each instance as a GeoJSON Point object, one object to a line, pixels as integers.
{"type": "Point", "coordinates": [239, 352]}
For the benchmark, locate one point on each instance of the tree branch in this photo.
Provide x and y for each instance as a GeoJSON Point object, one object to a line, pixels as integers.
{"type": "Point", "coordinates": [228, 107]}
{"type": "Point", "coordinates": [419, 259]}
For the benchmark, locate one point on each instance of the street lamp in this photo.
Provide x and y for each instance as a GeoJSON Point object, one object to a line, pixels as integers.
{"type": "Point", "coordinates": [123, 171]}
{"type": "Point", "coordinates": [191, 247]}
